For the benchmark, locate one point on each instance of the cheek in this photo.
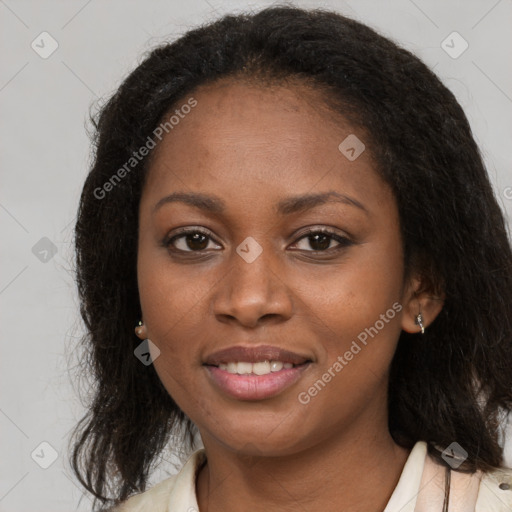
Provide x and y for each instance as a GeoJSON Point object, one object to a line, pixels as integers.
{"type": "Point", "coordinates": [170, 307]}
{"type": "Point", "coordinates": [357, 315]}
{"type": "Point", "coordinates": [369, 280]}
{"type": "Point", "coordinates": [358, 300]}
{"type": "Point", "coordinates": [170, 294]}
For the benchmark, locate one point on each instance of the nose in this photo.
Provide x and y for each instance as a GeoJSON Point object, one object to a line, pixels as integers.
{"type": "Point", "coordinates": [252, 293]}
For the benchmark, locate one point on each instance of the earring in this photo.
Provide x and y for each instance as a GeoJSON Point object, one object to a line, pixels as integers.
{"type": "Point", "coordinates": [419, 321]}
{"type": "Point", "coordinates": [139, 329]}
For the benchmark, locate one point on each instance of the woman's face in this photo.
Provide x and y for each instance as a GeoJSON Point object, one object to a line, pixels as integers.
{"type": "Point", "coordinates": [253, 169]}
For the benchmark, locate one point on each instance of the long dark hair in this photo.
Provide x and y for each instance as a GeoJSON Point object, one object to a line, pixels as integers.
{"type": "Point", "coordinates": [451, 384]}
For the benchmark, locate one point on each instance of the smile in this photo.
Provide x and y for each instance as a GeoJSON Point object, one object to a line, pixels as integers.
{"type": "Point", "coordinates": [254, 372]}
{"type": "Point", "coordinates": [251, 386]}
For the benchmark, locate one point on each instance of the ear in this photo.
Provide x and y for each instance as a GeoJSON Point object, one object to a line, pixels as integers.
{"type": "Point", "coordinates": [141, 332]}
{"type": "Point", "coordinates": [420, 298]}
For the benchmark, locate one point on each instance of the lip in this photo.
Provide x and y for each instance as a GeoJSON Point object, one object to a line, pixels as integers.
{"type": "Point", "coordinates": [255, 387]}
{"type": "Point", "coordinates": [254, 354]}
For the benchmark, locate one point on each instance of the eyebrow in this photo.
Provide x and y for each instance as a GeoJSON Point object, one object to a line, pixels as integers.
{"type": "Point", "coordinates": [286, 206]}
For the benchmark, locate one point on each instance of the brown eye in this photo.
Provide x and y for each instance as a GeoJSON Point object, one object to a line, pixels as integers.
{"type": "Point", "coordinates": [196, 241]}
{"type": "Point", "coordinates": [321, 241]}
{"type": "Point", "coordinates": [190, 241]}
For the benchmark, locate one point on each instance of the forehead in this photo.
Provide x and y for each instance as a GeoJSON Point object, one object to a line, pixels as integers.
{"type": "Point", "coordinates": [272, 141]}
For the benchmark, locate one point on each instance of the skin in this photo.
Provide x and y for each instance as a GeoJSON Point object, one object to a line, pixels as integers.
{"type": "Point", "coordinates": [252, 147]}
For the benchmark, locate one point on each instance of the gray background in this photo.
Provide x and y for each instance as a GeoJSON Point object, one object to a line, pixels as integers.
{"type": "Point", "coordinates": [45, 154]}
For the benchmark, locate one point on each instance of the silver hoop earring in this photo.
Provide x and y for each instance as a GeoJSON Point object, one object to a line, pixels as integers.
{"type": "Point", "coordinates": [419, 321]}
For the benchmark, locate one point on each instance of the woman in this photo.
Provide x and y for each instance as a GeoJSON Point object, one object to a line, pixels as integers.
{"type": "Point", "coordinates": [292, 213]}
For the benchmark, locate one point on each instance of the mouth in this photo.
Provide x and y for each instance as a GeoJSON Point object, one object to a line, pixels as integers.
{"type": "Point", "coordinates": [255, 373]}
{"type": "Point", "coordinates": [254, 355]}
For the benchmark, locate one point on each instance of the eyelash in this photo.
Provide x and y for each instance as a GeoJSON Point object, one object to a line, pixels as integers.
{"type": "Point", "coordinates": [343, 241]}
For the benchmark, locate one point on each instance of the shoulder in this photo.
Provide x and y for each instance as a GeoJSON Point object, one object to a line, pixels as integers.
{"type": "Point", "coordinates": [495, 491]}
{"type": "Point", "coordinates": [155, 499]}
{"type": "Point", "coordinates": [479, 491]}
{"type": "Point", "coordinates": [177, 491]}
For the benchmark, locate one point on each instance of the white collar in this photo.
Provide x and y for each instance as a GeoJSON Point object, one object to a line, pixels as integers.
{"type": "Point", "coordinates": [420, 488]}
{"type": "Point", "coordinates": [406, 491]}
{"type": "Point", "coordinates": [183, 495]}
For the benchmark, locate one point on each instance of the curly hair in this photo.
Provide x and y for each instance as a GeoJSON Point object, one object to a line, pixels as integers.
{"type": "Point", "coordinates": [451, 384]}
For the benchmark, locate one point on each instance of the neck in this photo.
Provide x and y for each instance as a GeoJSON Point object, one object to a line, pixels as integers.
{"type": "Point", "coordinates": [356, 473]}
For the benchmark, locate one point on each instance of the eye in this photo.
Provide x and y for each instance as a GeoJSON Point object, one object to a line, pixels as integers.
{"type": "Point", "coordinates": [189, 240]}
{"type": "Point", "coordinates": [198, 240]}
{"type": "Point", "coordinates": [320, 240]}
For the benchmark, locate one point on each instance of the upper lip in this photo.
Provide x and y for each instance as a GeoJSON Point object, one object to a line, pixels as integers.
{"type": "Point", "coordinates": [254, 355]}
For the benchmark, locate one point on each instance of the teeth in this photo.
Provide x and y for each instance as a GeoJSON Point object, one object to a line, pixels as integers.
{"type": "Point", "coordinates": [275, 366]}
{"type": "Point", "coordinates": [244, 368]}
{"type": "Point", "coordinates": [259, 368]}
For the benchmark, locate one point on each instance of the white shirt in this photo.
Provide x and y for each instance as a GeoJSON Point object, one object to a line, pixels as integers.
{"type": "Point", "coordinates": [419, 489]}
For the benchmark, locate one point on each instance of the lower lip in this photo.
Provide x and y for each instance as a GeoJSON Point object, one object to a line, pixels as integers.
{"type": "Point", "coordinates": [255, 387]}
